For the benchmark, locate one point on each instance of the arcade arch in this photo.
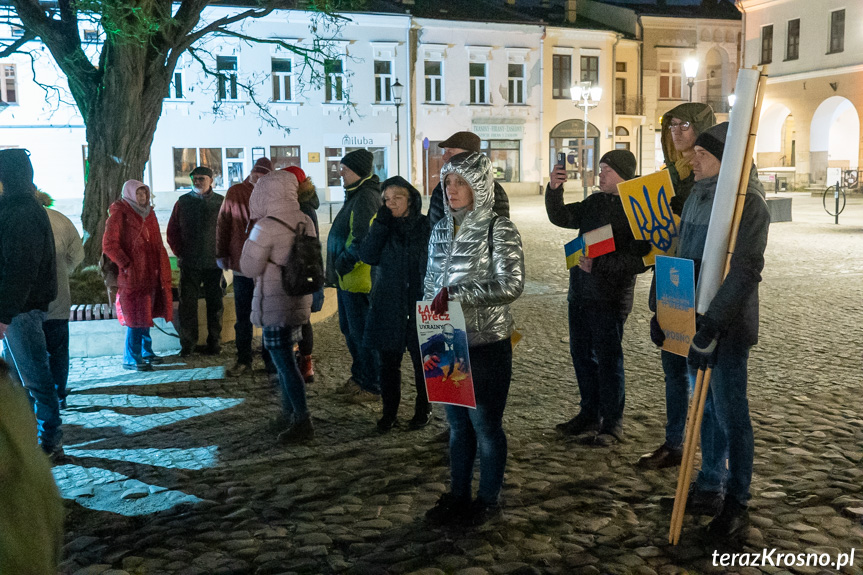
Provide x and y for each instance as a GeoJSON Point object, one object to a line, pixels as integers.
{"type": "Point", "coordinates": [834, 138]}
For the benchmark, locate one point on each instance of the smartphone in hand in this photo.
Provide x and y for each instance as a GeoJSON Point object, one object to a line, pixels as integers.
{"type": "Point", "coordinates": [561, 159]}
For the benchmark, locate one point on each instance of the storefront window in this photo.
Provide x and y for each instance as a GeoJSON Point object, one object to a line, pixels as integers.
{"type": "Point", "coordinates": [186, 159]}
{"type": "Point", "coordinates": [505, 159]}
{"type": "Point", "coordinates": [284, 156]}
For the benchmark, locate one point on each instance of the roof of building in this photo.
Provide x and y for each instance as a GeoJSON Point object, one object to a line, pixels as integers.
{"type": "Point", "coordinates": [714, 9]}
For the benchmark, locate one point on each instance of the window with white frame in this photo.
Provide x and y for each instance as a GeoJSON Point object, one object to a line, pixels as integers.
{"type": "Point", "coordinates": [283, 79]}
{"type": "Point", "coordinates": [670, 80]}
{"type": "Point", "coordinates": [478, 83]}
{"type": "Point", "coordinates": [9, 86]}
{"type": "Point", "coordinates": [434, 81]}
{"type": "Point", "coordinates": [590, 69]}
{"type": "Point", "coordinates": [561, 76]}
{"type": "Point", "coordinates": [175, 92]}
{"type": "Point", "coordinates": [226, 66]}
{"type": "Point", "coordinates": [90, 35]}
{"type": "Point", "coordinates": [334, 83]}
{"type": "Point", "coordinates": [515, 94]}
{"type": "Point", "coordinates": [17, 31]}
{"type": "Point", "coordinates": [383, 81]}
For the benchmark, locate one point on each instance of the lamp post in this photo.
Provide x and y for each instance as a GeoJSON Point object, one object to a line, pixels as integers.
{"type": "Point", "coordinates": [398, 90]}
{"type": "Point", "coordinates": [690, 68]}
{"type": "Point", "coordinates": [587, 97]}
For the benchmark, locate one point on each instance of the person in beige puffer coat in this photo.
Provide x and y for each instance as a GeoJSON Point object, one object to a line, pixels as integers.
{"type": "Point", "coordinates": [274, 207]}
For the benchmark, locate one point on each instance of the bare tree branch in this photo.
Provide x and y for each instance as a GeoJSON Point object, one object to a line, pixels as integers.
{"type": "Point", "coordinates": [14, 46]}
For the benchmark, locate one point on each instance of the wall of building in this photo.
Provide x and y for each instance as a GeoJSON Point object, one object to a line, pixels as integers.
{"type": "Point", "coordinates": [812, 115]}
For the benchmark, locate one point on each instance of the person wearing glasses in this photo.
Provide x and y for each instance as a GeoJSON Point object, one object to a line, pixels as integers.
{"type": "Point", "coordinates": [680, 128]}
{"type": "Point", "coordinates": [192, 237]}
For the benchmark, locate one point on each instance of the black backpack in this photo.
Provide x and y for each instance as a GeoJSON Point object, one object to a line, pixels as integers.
{"type": "Point", "coordinates": [303, 273]}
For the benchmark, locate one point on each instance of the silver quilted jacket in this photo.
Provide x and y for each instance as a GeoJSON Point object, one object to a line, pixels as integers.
{"type": "Point", "coordinates": [485, 281]}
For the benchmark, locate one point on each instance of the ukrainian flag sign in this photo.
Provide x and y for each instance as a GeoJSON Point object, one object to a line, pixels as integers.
{"type": "Point", "coordinates": [592, 244]}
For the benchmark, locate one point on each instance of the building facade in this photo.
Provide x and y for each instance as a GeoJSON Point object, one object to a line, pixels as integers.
{"type": "Point", "coordinates": [506, 78]}
{"type": "Point", "coordinates": [810, 125]}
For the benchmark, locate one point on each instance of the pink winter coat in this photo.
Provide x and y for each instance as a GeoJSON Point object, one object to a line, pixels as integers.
{"type": "Point", "coordinates": [275, 195]}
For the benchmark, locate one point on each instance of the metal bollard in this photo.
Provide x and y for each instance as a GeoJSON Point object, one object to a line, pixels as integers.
{"type": "Point", "coordinates": [836, 197]}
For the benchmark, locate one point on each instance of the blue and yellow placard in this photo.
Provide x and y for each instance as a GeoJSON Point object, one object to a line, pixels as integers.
{"type": "Point", "coordinates": [675, 302]}
{"type": "Point", "coordinates": [646, 201]}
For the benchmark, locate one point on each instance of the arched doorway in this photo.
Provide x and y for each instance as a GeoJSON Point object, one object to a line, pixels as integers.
{"type": "Point", "coordinates": [834, 139]}
{"type": "Point", "coordinates": [581, 155]}
{"type": "Point", "coordinates": [776, 144]}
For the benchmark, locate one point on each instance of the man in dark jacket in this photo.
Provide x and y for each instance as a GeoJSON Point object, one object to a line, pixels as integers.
{"type": "Point", "coordinates": [232, 231]}
{"type": "Point", "coordinates": [349, 274]}
{"type": "Point", "coordinates": [680, 128]}
{"type": "Point", "coordinates": [723, 338]}
{"type": "Point", "coordinates": [28, 284]}
{"type": "Point", "coordinates": [192, 237]}
{"type": "Point", "coordinates": [459, 143]}
{"type": "Point", "coordinates": [600, 298]}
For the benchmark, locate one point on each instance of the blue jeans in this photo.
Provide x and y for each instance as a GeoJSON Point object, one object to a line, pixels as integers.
{"type": "Point", "coordinates": [24, 349]}
{"type": "Point", "coordinates": [353, 309]}
{"type": "Point", "coordinates": [481, 429]}
{"type": "Point", "coordinates": [726, 431]}
{"type": "Point", "coordinates": [291, 381]}
{"type": "Point", "coordinates": [678, 388]}
{"type": "Point", "coordinates": [57, 344]}
{"type": "Point", "coordinates": [595, 335]}
{"type": "Point", "coordinates": [139, 345]}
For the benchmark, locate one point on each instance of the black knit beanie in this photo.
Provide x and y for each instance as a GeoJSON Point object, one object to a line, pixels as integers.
{"type": "Point", "coordinates": [713, 139]}
{"type": "Point", "coordinates": [621, 161]}
{"type": "Point", "coordinates": [360, 162]}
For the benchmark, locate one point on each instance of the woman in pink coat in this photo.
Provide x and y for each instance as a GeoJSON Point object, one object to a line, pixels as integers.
{"type": "Point", "coordinates": [133, 241]}
{"type": "Point", "coordinates": [274, 207]}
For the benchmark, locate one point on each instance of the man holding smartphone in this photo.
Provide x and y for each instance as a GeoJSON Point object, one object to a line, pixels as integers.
{"type": "Point", "coordinates": [600, 298]}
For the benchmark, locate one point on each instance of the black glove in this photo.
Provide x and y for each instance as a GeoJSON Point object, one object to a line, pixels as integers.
{"type": "Point", "coordinates": [344, 264]}
{"type": "Point", "coordinates": [657, 336]}
{"type": "Point", "coordinates": [385, 216]}
{"type": "Point", "coordinates": [640, 248]}
{"type": "Point", "coordinates": [676, 204]}
{"type": "Point", "coordinates": [702, 350]}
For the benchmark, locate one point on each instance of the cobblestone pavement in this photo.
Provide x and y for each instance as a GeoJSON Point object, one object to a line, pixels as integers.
{"type": "Point", "coordinates": [176, 472]}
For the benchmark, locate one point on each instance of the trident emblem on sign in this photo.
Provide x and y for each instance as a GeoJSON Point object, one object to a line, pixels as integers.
{"type": "Point", "coordinates": [658, 229]}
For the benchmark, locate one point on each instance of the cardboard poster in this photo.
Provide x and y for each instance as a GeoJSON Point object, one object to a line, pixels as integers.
{"type": "Point", "coordinates": [675, 302]}
{"type": "Point", "coordinates": [591, 244]}
{"type": "Point", "coordinates": [646, 201]}
{"type": "Point", "coordinates": [444, 352]}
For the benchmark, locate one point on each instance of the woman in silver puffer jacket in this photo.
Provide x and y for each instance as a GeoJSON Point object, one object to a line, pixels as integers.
{"type": "Point", "coordinates": [476, 259]}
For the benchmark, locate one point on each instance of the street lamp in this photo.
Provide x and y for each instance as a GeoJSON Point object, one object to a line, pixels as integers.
{"type": "Point", "coordinates": [690, 68]}
{"type": "Point", "coordinates": [585, 96]}
{"type": "Point", "coordinates": [398, 90]}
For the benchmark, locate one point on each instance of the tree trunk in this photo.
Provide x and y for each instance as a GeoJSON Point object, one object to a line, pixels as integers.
{"type": "Point", "coordinates": [120, 129]}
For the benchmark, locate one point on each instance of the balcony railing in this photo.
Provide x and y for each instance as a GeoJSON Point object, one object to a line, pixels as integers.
{"type": "Point", "coordinates": [629, 106]}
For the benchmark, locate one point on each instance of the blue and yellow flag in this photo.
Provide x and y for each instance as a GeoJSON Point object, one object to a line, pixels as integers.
{"type": "Point", "coordinates": [574, 250]}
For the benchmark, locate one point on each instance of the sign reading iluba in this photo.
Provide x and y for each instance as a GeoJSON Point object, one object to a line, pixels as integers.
{"type": "Point", "coordinates": [349, 140]}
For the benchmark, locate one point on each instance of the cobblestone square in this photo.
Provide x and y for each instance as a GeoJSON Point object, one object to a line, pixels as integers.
{"type": "Point", "coordinates": [176, 472]}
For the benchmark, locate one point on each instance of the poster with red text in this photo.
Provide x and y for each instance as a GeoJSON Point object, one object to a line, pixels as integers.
{"type": "Point", "coordinates": [443, 348]}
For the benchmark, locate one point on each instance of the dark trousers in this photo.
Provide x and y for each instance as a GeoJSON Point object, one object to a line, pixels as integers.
{"type": "Point", "coordinates": [391, 378]}
{"type": "Point", "coordinates": [481, 429]}
{"type": "Point", "coordinates": [194, 283]}
{"type": "Point", "coordinates": [307, 344]}
{"type": "Point", "coordinates": [57, 344]}
{"type": "Point", "coordinates": [353, 309]}
{"type": "Point", "coordinates": [595, 335]}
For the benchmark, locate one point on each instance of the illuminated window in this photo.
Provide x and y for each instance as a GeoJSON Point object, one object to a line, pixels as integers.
{"type": "Point", "coordinates": [670, 80]}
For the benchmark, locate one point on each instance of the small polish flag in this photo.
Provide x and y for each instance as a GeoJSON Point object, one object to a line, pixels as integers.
{"type": "Point", "coordinates": [599, 242]}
